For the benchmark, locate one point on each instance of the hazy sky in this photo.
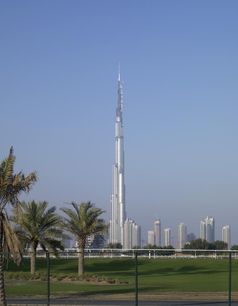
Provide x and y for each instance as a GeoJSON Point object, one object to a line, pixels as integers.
{"type": "Point", "coordinates": [179, 64]}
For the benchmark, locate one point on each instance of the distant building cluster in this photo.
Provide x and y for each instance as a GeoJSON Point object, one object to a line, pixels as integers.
{"type": "Point", "coordinates": [207, 232]}
{"type": "Point", "coordinates": [132, 234]}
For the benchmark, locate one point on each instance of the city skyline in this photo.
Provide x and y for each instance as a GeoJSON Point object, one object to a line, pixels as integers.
{"type": "Point", "coordinates": [179, 63]}
{"type": "Point", "coordinates": [183, 234]}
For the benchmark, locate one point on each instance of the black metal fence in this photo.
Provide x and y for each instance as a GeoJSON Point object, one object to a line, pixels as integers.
{"type": "Point", "coordinates": [130, 261]}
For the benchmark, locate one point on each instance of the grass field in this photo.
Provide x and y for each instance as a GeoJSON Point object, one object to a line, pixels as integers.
{"type": "Point", "coordinates": [155, 276]}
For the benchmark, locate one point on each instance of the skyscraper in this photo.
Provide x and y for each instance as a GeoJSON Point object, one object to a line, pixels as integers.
{"type": "Point", "coordinates": [182, 235]}
{"type": "Point", "coordinates": [136, 236]}
{"type": "Point", "coordinates": [226, 235]}
{"type": "Point", "coordinates": [151, 238]}
{"type": "Point", "coordinates": [118, 214]}
{"type": "Point", "coordinates": [207, 229]}
{"type": "Point", "coordinates": [202, 230]}
{"type": "Point", "coordinates": [167, 237]}
{"type": "Point", "coordinates": [157, 230]}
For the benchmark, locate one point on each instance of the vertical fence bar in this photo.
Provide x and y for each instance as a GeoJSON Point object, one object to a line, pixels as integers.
{"type": "Point", "coordinates": [48, 277]}
{"type": "Point", "coordinates": [136, 279]}
{"type": "Point", "coordinates": [229, 279]}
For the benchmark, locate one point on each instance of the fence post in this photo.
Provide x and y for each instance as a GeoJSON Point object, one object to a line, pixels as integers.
{"type": "Point", "coordinates": [229, 279]}
{"type": "Point", "coordinates": [136, 279]}
{"type": "Point", "coordinates": [48, 277]}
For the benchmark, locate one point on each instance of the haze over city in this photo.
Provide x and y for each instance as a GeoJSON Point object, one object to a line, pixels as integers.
{"type": "Point", "coordinates": [179, 68]}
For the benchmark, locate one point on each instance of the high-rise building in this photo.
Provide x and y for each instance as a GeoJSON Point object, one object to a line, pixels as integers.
{"type": "Point", "coordinates": [182, 235]}
{"type": "Point", "coordinates": [226, 235]}
{"type": "Point", "coordinates": [167, 237]}
{"type": "Point", "coordinates": [132, 234]}
{"type": "Point", "coordinates": [136, 236]}
{"type": "Point", "coordinates": [118, 214]}
{"type": "Point", "coordinates": [202, 230]}
{"type": "Point", "coordinates": [157, 230]}
{"type": "Point", "coordinates": [207, 229]}
{"type": "Point", "coordinates": [151, 238]}
{"type": "Point", "coordinates": [210, 229]}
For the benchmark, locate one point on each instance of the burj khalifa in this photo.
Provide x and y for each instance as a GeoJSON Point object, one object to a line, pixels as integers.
{"type": "Point", "coordinates": [118, 180]}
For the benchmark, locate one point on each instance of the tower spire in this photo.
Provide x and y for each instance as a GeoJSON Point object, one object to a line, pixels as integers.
{"type": "Point", "coordinates": [119, 95]}
{"type": "Point", "coordinates": [119, 72]}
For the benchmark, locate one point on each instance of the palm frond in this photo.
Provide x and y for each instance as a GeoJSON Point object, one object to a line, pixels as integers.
{"type": "Point", "coordinates": [11, 240]}
{"type": "Point", "coordinates": [12, 185]}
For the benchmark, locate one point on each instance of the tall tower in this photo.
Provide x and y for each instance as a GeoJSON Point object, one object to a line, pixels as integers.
{"type": "Point", "coordinates": [151, 238]}
{"type": "Point", "coordinates": [210, 229]}
{"type": "Point", "coordinates": [207, 229]}
{"type": "Point", "coordinates": [118, 181]}
{"type": "Point", "coordinates": [203, 230]}
{"type": "Point", "coordinates": [226, 235]}
{"type": "Point", "coordinates": [167, 237]}
{"type": "Point", "coordinates": [182, 235]}
{"type": "Point", "coordinates": [158, 234]}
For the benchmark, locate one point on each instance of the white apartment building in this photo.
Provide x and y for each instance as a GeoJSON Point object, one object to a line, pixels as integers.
{"type": "Point", "coordinates": [226, 235]}
{"type": "Point", "coordinates": [151, 238]}
{"type": "Point", "coordinates": [207, 229]}
{"type": "Point", "coordinates": [167, 237]}
{"type": "Point", "coordinates": [182, 235]}
{"type": "Point", "coordinates": [157, 232]}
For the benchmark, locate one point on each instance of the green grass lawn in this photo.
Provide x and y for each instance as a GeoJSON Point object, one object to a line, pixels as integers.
{"type": "Point", "coordinates": [155, 276]}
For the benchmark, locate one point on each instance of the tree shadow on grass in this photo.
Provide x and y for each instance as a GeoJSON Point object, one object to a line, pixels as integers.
{"type": "Point", "coordinates": [184, 270]}
{"type": "Point", "coordinates": [125, 290]}
{"type": "Point", "coordinates": [111, 266]}
{"type": "Point", "coordinates": [25, 265]}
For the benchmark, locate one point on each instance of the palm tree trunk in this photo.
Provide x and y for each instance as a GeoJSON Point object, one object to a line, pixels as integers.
{"type": "Point", "coordinates": [81, 261]}
{"type": "Point", "coordinates": [33, 260]}
{"type": "Point", "coordinates": [2, 285]}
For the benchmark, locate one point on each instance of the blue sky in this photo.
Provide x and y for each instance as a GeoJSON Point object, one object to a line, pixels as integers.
{"type": "Point", "coordinates": [179, 64]}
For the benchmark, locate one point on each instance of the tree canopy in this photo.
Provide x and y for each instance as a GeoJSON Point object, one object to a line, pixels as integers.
{"type": "Point", "coordinates": [83, 220]}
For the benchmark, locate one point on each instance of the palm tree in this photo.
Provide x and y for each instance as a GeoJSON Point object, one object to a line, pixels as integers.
{"type": "Point", "coordinates": [38, 225]}
{"type": "Point", "coordinates": [82, 221]}
{"type": "Point", "coordinates": [11, 186]}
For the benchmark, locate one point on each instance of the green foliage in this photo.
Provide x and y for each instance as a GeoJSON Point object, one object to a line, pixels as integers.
{"type": "Point", "coordinates": [218, 245]}
{"type": "Point", "coordinates": [114, 245]}
{"type": "Point", "coordinates": [197, 244]}
{"type": "Point", "coordinates": [157, 250]}
{"type": "Point", "coordinates": [200, 244]}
